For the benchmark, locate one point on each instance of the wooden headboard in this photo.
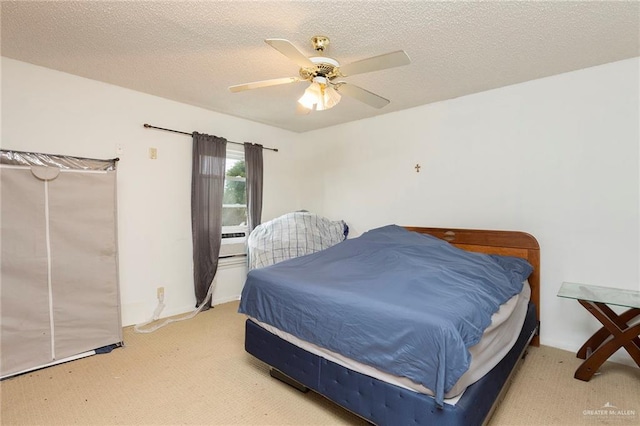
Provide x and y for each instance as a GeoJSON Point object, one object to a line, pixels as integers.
{"type": "Point", "coordinates": [507, 243]}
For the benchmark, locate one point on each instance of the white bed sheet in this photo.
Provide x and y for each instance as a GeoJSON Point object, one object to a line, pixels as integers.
{"type": "Point", "coordinates": [497, 340]}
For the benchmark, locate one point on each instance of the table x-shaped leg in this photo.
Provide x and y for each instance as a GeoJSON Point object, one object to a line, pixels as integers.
{"type": "Point", "coordinates": [614, 325]}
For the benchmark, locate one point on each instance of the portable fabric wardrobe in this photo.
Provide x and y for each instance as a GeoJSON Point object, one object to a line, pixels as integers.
{"type": "Point", "coordinates": [59, 293]}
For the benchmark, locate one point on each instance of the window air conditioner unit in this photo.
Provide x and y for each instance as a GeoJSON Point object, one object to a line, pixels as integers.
{"type": "Point", "coordinates": [233, 243]}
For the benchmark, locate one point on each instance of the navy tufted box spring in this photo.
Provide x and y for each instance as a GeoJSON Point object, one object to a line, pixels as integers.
{"type": "Point", "coordinates": [379, 402]}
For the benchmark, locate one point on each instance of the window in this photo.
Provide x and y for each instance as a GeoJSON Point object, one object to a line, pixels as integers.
{"type": "Point", "coordinates": [234, 202]}
{"type": "Point", "coordinates": [234, 205]}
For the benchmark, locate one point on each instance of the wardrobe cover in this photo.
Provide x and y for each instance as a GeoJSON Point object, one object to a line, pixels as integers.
{"type": "Point", "coordinates": [59, 293]}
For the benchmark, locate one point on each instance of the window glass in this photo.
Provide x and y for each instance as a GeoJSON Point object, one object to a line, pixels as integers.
{"type": "Point", "coordinates": [234, 202]}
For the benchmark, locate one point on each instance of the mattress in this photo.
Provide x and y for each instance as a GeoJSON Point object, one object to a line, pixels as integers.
{"type": "Point", "coordinates": [497, 340]}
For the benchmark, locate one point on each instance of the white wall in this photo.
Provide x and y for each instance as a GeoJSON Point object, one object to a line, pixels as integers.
{"type": "Point", "coordinates": [556, 157]}
{"type": "Point", "coordinates": [53, 112]}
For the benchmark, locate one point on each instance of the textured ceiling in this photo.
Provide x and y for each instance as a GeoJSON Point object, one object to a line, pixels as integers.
{"type": "Point", "coordinates": [191, 52]}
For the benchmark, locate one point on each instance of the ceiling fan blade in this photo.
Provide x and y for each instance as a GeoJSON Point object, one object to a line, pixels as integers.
{"type": "Point", "coordinates": [290, 51]}
{"type": "Point", "coordinates": [263, 83]}
{"type": "Point", "coordinates": [376, 63]}
{"type": "Point", "coordinates": [361, 94]}
{"type": "Point", "coordinates": [300, 110]}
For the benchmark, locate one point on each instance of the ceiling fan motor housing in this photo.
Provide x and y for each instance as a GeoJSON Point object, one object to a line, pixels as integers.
{"type": "Point", "coordinates": [324, 67]}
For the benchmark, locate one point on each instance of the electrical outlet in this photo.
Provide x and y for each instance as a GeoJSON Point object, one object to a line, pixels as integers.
{"type": "Point", "coordinates": [153, 153]}
{"type": "Point", "coordinates": [160, 293]}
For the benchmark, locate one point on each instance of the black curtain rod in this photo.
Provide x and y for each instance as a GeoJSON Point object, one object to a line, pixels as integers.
{"type": "Point", "coordinates": [149, 126]}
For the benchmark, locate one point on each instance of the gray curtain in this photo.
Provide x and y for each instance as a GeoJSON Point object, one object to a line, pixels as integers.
{"type": "Point", "coordinates": [253, 162]}
{"type": "Point", "coordinates": [207, 190]}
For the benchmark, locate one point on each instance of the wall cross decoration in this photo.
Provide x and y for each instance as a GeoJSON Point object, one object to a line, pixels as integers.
{"type": "Point", "coordinates": [417, 167]}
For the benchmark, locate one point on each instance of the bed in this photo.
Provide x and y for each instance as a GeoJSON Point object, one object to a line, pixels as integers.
{"type": "Point", "coordinates": [366, 377]}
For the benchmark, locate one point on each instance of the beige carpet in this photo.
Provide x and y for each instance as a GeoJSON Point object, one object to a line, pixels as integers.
{"type": "Point", "coordinates": [196, 372]}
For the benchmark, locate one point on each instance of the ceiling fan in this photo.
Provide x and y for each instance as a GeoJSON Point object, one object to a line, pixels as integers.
{"type": "Point", "coordinates": [324, 74]}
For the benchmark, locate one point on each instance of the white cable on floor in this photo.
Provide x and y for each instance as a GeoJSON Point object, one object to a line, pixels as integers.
{"type": "Point", "coordinates": [160, 307]}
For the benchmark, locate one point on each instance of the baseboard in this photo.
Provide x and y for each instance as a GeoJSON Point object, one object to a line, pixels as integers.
{"type": "Point", "coordinates": [620, 357]}
{"type": "Point", "coordinates": [221, 300]}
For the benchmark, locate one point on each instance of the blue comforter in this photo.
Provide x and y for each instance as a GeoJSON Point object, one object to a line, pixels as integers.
{"type": "Point", "coordinates": [406, 303]}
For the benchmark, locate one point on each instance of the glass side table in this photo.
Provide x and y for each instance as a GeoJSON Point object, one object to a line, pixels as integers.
{"type": "Point", "coordinates": [615, 332]}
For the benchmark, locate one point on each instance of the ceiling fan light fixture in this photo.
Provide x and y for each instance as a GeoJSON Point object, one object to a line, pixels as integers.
{"type": "Point", "coordinates": [311, 96]}
{"type": "Point", "coordinates": [319, 95]}
{"type": "Point", "coordinates": [331, 97]}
